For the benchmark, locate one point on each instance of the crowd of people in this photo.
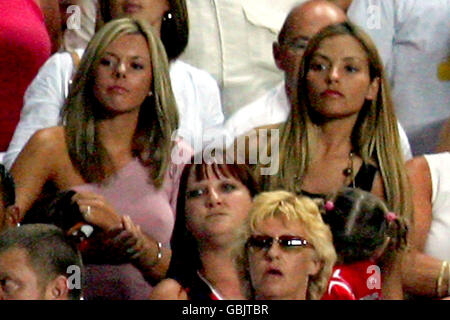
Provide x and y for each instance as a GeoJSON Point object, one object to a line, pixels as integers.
{"type": "Point", "coordinates": [197, 150]}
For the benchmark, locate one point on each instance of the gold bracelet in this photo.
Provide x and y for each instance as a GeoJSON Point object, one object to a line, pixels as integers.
{"type": "Point", "coordinates": [448, 281]}
{"type": "Point", "coordinates": [441, 278]}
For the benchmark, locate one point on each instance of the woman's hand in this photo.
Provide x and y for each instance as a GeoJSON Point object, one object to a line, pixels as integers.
{"type": "Point", "coordinates": [141, 249]}
{"type": "Point", "coordinates": [97, 211]}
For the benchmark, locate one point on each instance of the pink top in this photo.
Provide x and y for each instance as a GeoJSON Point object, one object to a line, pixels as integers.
{"type": "Point", "coordinates": [24, 45]}
{"type": "Point", "coordinates": [131, 193]}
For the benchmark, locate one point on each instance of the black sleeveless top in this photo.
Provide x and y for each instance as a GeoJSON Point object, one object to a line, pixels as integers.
{"type": "Point", "coordinates": [363, 180]}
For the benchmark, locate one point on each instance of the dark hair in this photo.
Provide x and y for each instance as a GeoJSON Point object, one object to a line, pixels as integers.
{"type": "Point", "coordinates": [61, 211]}
{"type": "Point", "coordinates": [174, 27]}
{"type": "Point", "coordinates": [185, 261]}
{"type": "Point", "coordinates": [50, 252]}
{"type": "Point", "coordinates": [360, 225]}
{"type": "Point", "coordinates": [7, 187]}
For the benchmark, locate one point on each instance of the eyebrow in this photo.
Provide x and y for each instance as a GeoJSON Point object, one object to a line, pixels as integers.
{"type": "Point", "coordinates": [116, 56]}
{"type": "Point", "coordinates": [345, 58]}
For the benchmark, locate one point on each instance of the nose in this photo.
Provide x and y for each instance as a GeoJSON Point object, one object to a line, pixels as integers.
{"type": "Point", "coordinates": [274, 251]}
{"type": "Point", "coordinates": [214, 198]}
{"type": "Point", "coordinates": [333, 74]}
{"type": "Point", "coordinates": [120, 70]}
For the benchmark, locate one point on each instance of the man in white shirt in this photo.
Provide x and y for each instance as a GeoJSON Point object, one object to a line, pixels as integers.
{"type": "Point", "coordinates": [302, 23]}
{"type": "Point", "coordinates": [413, 38]}
{"type": "Point", "coordinates": [231, 39]}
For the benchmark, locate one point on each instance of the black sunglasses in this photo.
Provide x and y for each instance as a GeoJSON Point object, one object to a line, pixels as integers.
{"type": "Point", "coordinates": [285, 242]}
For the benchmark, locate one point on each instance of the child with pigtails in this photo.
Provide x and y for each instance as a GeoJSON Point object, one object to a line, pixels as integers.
{"type": "Point", "coordinates": [367, 237]}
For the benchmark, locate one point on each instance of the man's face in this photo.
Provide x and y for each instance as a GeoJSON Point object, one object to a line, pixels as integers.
{"type": "Point", "coordinates": [303, 24]}
{"type": "Point", "coordinates": [18, 280]}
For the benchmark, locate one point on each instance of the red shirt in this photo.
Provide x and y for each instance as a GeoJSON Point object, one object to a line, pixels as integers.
{"type": "Point", "coordinates": [24, 46]}
{"type": "Point", "coordinates": [356, 281]}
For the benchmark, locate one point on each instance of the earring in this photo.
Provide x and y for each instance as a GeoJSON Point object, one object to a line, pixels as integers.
{"type": "Point", "coordinates": [167, 16]}
{"type": "Point", "coordinates": [150, 93]}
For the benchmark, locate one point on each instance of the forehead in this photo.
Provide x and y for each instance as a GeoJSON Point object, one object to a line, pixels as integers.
{"type": "Point", "coordinates": [279, 225]}
{"type": "Point", "coordinates": [308, 22]}
{"type": "Point", "coordinates": [129, 45]}
{"type": "Point", "coordinates": [15, 261]}
{"type": "Point", "coordinates": [342, 46]}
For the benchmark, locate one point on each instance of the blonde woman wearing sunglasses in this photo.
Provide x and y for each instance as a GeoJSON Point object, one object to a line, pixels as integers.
{"type": "Point", "coordinates": [288, 248]}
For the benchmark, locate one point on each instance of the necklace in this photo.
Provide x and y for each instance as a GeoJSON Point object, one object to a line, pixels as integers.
{"type": "Point", "coordinates": [348, 171]}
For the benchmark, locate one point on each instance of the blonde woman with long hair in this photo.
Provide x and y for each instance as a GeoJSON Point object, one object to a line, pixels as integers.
{"type": "Point", "coordinates": [114, 148]}
{"type": "Point", "coordinates": [342, 130]}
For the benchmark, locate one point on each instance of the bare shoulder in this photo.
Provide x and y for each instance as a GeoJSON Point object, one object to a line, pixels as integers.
{"type": "Point", "coordinates": [48, 140]}
{"type": "Point", "coordinates": [417, 165]}
{"type": "Point", "coordinates": [419, 176]}
{"type": "Point", "coordinates": [46, 147]}
{"type": "Point", "coordinates": [168, 289]}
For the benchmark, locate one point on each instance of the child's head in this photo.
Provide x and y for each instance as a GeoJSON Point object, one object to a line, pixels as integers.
{"type": "Point", "coordinates": [9, 213]}
{"type": "Point", "coordinates": [362, 226]}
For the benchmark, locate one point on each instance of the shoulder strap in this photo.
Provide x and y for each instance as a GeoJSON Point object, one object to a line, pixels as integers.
{"type": "Point", "coordinates": [365, 177]}
{"type": "Point", "coordinates": [76, 63]}
{"type": "Point", "coordinates": [75, 58]}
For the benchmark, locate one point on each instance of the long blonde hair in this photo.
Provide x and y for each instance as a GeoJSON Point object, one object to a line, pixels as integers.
{"type": "Point", "coordinates": [158, 116]}
{"type": "Point", "coordinates": [374, 138]}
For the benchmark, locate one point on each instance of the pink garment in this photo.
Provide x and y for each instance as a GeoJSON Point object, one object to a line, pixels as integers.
{"type": "Point", "coordinates": [24, 47]}
{"type": "Point", "coordinates": [130, 192]}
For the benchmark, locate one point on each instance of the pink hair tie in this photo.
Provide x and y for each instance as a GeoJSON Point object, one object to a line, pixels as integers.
{"type": "Point", "coordinates": [390, 216]}
{"type": "Point", "coordinates": [329, 205]}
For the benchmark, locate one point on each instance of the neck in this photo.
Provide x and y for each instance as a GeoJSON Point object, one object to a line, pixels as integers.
{"type": "Point", "coordinates": [230, 281]}
{"type": "Point", "coordinates": [334, 137]}
{"type": "Point", "coordinates": [116, 133]}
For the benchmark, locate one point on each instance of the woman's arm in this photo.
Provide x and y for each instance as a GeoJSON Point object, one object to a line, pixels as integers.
{"type": "Point", "coordinates": [421, 270]}
{"type": "Point", "coordinates": [35, 166]}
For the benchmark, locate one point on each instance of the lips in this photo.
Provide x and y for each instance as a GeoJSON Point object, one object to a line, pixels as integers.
{"type": "Point", "coordinates": [117, 89]}
{"type": "Point", "coordinates": [215, 214]}
{"type": "Point", "coordinates": [331, 94]}
{"type": "Point", "coordinates": [274, 272]}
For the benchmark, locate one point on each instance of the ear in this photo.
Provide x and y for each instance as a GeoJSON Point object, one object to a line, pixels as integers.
{"type": "Point", "coordinates": [372, 91]}
{"type": "Point", "coordinates": [277, 55]}
{"type": "Point", "coordinates": [57, 289]}
{"type": "Point", "coordinates": [12, 215]}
